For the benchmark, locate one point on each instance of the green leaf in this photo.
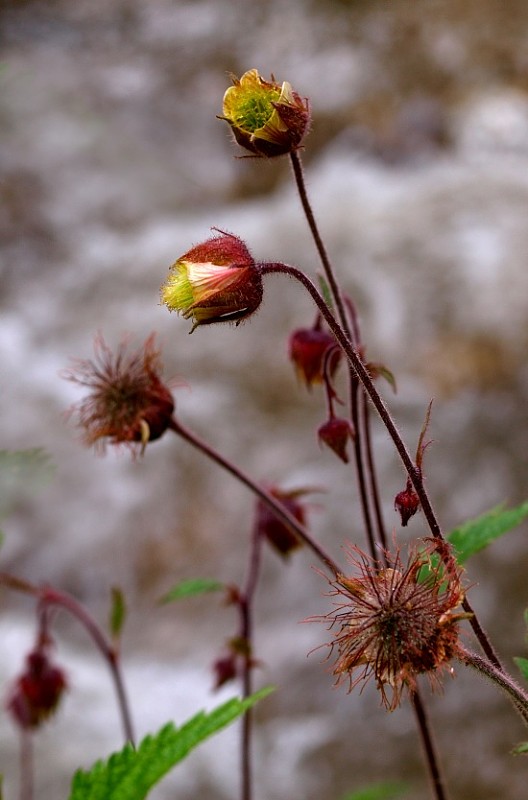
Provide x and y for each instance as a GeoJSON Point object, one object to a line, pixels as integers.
{"type": "Point", "coordinates": [379, 791]}
{"type": "Point", "coordinates": [325, 290]}
{"type": "Point", "coordinates": [522, 663]}
{"type": "Point", "coordinates": [130, 774]}
{"type": "Point", "coordinates": [476, 534]}
{"type": "Point", "coordinates": [117, 612]}
{"type": "Point", "coordinates": [191, 588]}
{"type": "Point", "coordinates": [520, 749]}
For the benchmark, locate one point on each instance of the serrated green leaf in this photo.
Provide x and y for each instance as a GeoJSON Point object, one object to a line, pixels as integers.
{"type": "Point", "coordinates": [379, 791]}
{"type": "Point", "coordinates": [520, 749]}
{"type": "Point", "coordinates": [191, 588]}
{"type": "Point", "coordinates": [522, 663]}
{"type": "Point", "coordinates": [476, 534]}
{"type": "Point", "coordinates": [117, 612]}
{"type": "Point", "coordinates": [130, 774]}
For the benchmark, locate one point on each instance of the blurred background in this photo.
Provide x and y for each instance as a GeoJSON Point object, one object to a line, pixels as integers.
{"type": "Point", "coordinates": [112, 164]}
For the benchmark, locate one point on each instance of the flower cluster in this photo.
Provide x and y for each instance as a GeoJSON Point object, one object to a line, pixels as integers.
{"type": "Point", "coordinates": [396, 621]}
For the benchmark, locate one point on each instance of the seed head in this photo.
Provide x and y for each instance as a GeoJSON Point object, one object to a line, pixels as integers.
{"type": "Point", "coordinates": [128, 403]}
{"type": "Point", "coordinates": [396, 622]}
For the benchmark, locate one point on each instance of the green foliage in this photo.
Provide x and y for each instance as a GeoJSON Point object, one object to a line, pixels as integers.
{"type": "Point", "coordinates": [130, 774]}
{"type": "Point", "coordinates": [324, 288]}
{"type": "Point", "coordinates": [522, 663]}
{"type": "Point", "coordinates": [476, 534]}
{"type": "Point", "coordinates": [191, 588]}
{"type": "Point", "coordinates": [519, 750]}
{"type": "Point", "coordinates": [379, 791]}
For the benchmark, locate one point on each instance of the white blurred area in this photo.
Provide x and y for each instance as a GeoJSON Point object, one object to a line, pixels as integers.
{"type": "Point", "coordinates": [112, 165]}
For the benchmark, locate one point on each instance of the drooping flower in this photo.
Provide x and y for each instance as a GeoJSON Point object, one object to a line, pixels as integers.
{"type": "Point", "coordinates": [37, 691]}
{"type": "Point", "coordinates": [406, 503]}
{"type": "Point", "coordinates": [278, 534]}
{"type": "Point", "coordinates": [267, 118]}
{"type": "Point", "coordinates": [336, 433]}
{"type": "Point", "coordinates": [216, 281]}
{"type": "Point", "coordinates": [395, 621]}
{"type": "Point", "coordinates": [307, 349]}
{"type": "Point", "coordinates": [128, 403]}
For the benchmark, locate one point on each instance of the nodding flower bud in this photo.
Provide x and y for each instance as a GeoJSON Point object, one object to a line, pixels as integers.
{"type": "Point", "coordinates": [37, 691]}
{"type": "Point", "coordinates": [307, 350]}
{"type": "Point", "coordinates": [279, 535]}
{"type": "Point", "coordinates": [267, 118]}
{"type": "Point", "coordinates": [336, 433]}
{"type": "Point", "coordinates": [216, 281]}
{"type": "Point", "coordinates": [406, 503]}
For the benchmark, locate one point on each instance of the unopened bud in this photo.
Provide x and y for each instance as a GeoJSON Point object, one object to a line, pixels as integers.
{"type": "Point", "coordinates": [307, 350]}
{"type": "Point", "coordinates": [37, 691]}
{"type": "Point", "coordinates": [336, 434]}
{"type": "Point", "coordinates": [406, 503]}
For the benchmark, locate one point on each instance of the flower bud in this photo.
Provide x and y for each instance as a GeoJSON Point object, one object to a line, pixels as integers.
{"type": "Point", "coordinates": [267, 118]}
{"type": "Point", "coordinates": [216, 281]}
{"type": "Point", "coordinates": [307, 349]}
{"type": "Point", "coordinates": [37, 691]}
{"type": "Point", "coordinates": [406, 503]}
{"type": "Point", "coordinates": [276, 532]}
{"type": "Point", "coordinates": [336, 433]}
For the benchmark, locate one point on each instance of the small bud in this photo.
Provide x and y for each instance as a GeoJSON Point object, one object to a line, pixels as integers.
{"type": "Point", "coordinates": [216, 281]}
{"type": "Point", "coordinates": [128, 402]}
{"type": "Point", "coordinates": [307, 349]}
{"type": "Point", "coordinates": [406, 503]}
{"type": "Point", "coordinates": [267, 118]}
{"type": "Point", "coordinates": [336, 433]}
{"type": "Point", "coordinates": [276, 532]}
{"type": "Point", "coordinates": [37, 691]}
{"type": "Point", "coordinates": [225, 670]}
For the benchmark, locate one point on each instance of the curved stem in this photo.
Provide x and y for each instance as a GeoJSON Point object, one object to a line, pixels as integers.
{"type": "Point", "coordinates": [429, 747]}
{"type": "Point", "coordinates": [517, 695]}
{"type": "Point", "coordinates": [280, 512]}
{"type": "Point", "coordinates": [53, 597]}
{"type": "Point", "coordinates": [414, 472]}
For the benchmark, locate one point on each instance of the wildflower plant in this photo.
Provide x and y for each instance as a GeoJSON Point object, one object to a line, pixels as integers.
{"type": "Point", "coordinates": [395, 618]}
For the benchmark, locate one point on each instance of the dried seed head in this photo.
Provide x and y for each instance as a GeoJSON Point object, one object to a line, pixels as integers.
{"type": "Point", "coordinates": [128, 403]}
{"type": "Point", "coordinates": [396, 622]}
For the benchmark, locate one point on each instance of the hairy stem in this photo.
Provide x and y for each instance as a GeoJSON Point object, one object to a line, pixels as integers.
{"type": "Point", "coordinates": [428, 747]}
{"type": "Point", "coordinates": [517, 695]}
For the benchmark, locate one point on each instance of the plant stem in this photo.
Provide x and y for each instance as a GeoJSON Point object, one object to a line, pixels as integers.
{"type": "Point", "coordinates": [517, 695]}
{"type": "Point", "coordinates": [280, 512]}
{"type": "Point", "coordinates": [414, 472]}
{"type": "Point", "coordinates": [428, 747]}
{"type": "Point", "coordinates": [27, 765]}
{"type": "Point", "coordinates": [246, 631]}
{"type": "Point", "coordinates": [53, 597]}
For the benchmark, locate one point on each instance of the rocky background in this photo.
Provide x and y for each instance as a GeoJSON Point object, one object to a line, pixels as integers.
{"type": "Point", "coordinates": [112, 165]}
